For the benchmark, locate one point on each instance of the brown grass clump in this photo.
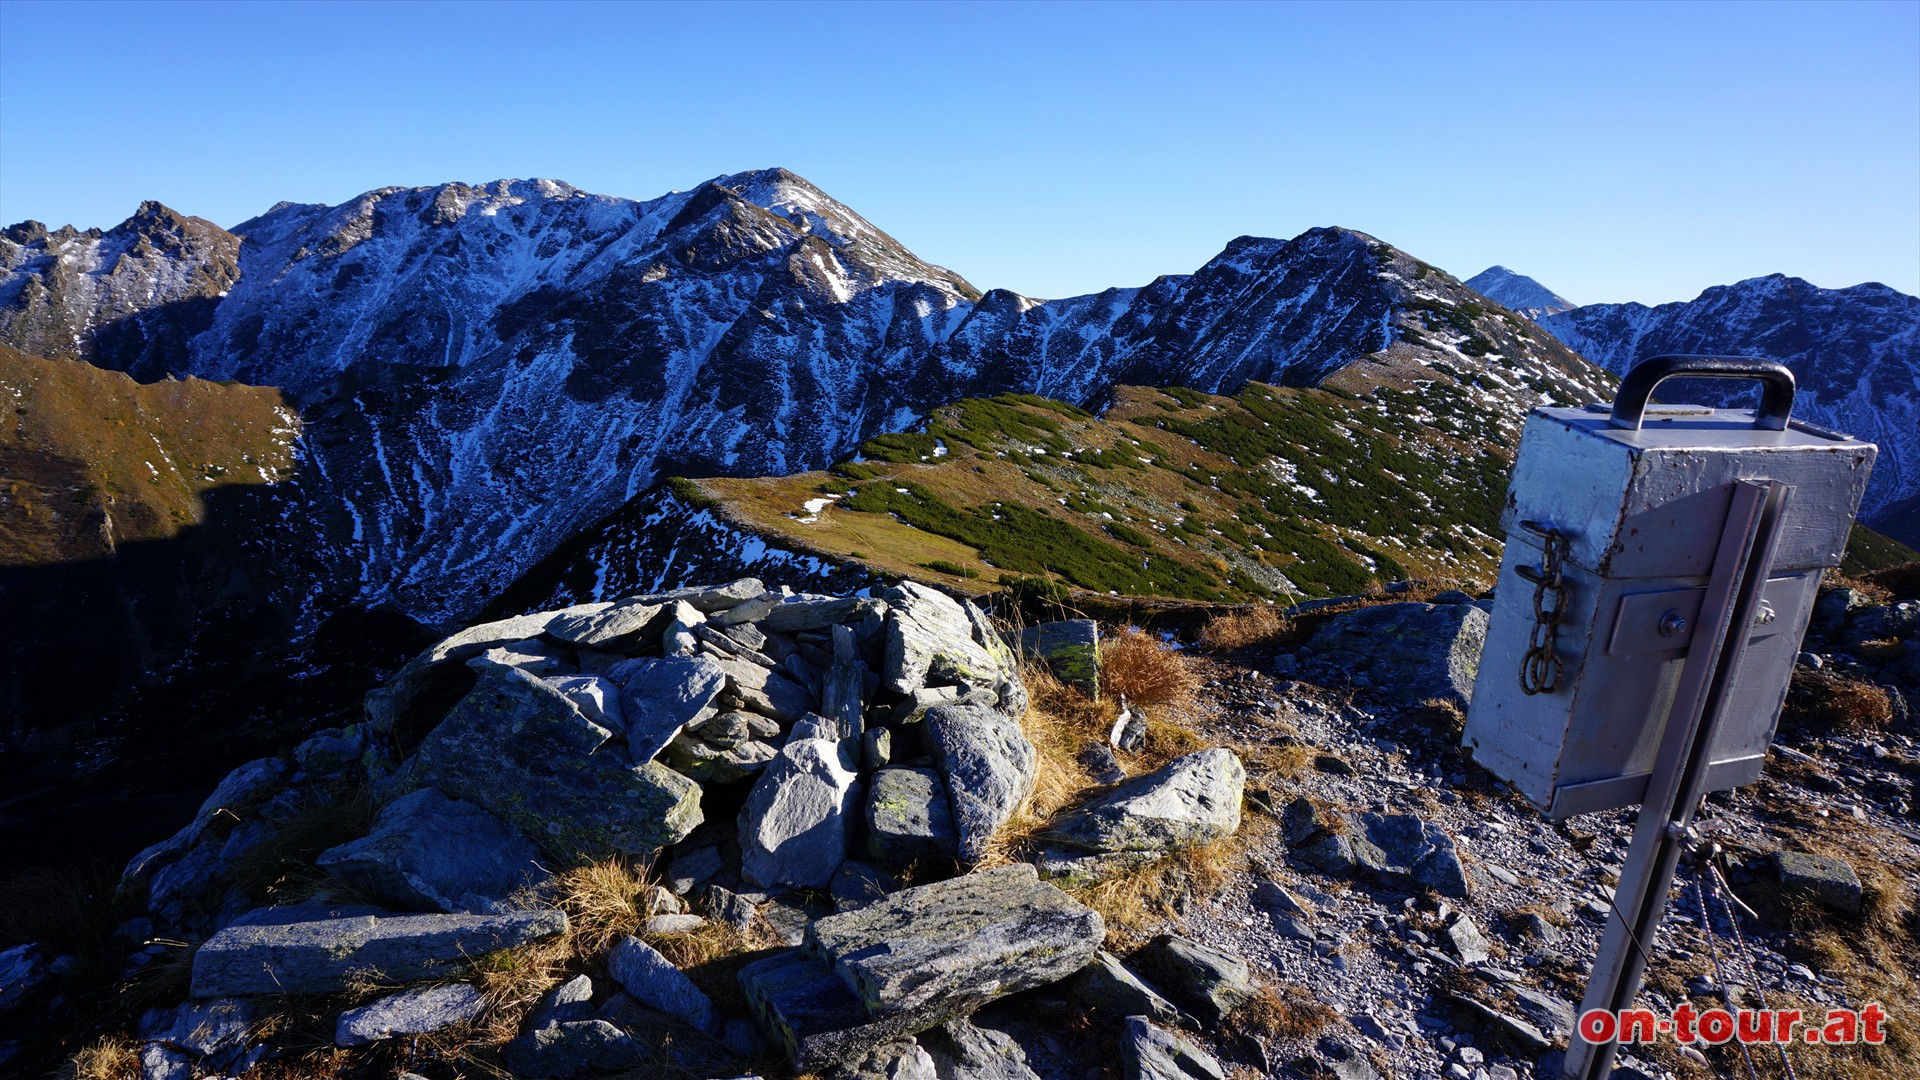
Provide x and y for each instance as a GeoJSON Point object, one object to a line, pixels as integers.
{"type": "Point", "coordinates": [1290, 1013]}
{"type": "Point", "coordinates": [1897, 582]}
{"type": "Point", "coordinates": [1819, 702]}
{"type": "Point", "coordinates": [110, 1057]}
{"type": "Point", "coordinates": [1141, 668]}
{"type": "Point", "coordinates": [1244, 627]}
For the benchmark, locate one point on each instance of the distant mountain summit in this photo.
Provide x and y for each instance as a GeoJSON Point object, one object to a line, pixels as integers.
{"type": "Point", "coordinates": [1517, 292]}
{"type": "Point", "coordinates": [1854, 351]}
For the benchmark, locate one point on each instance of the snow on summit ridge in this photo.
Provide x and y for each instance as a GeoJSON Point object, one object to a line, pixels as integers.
{"type": "Point", "coordinates": [1517, 292]}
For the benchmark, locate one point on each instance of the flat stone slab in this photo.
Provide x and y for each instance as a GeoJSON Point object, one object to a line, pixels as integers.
{"type": "Point", "coordinates": [1414, 651]}
{"type": "Point", "coordinates": [794, 826]}
{"type": "Point", "coordinates": [1071, 649]}
{"type": "Point", "coordinates": [307, 950]}
{"type": "Point", "coordinates": [1830, 881]}
{"type": "Point", "coordinates": [812, 1016]}
{"type": "Point", "coordinates": [656, 983]}
{"type": "Point", "coordinates": [940, 951]}
{"type": "Point", "coordinates": [410, 1012]}
{"type": "Point", "coordinates": [663, 696]}
{"type": "Point", "coordinates": [431, 853]}
{"type": "Point", "coordinates": [518, 748]}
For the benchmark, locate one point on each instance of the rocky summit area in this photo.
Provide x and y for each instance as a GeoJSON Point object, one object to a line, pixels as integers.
{"type": "Point", "coordinates": [736, 831]}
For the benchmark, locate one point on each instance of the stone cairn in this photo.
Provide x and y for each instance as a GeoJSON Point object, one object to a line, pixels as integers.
{"type": "Point", "coordinates": [858, 736]}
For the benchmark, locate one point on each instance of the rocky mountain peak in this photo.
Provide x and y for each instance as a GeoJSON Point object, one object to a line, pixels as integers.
{"type": "Point", "coordinates": [1517, 292]}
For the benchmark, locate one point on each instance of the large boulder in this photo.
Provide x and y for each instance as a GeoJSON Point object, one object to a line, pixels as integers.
{"type": "Point", "coordinates": [1416, 651]}
{"type": "Point", "coordinates": [988, 765]}
{"type": "Point", "coordinates": [963, 1050]}
{"type": "Point", "coordinates": [917, 959]}
{"type": "Point", "coordinates": [939, 951]}
{"type": "Point", "coordinates": [431, 853]}
{"type": "Point", "coordinates": [1148, 1052]}
{"type": "Point", "coordinates": [932, 639]}
{"type": "Point", "coordinates": [316, 949]}
{"type": "Point", "coordinates": [1398, 851]}
{"type": "Point", "coordinates": [794, 826]}
{"type": "Point", "coordinates": [1208, 982]}
{"type": "Point", "coordinates": [663, 696]}
{"type": "Point", "coordinates": [1193, 800]}
{"type": "Point", "coordinates": [519, 748]}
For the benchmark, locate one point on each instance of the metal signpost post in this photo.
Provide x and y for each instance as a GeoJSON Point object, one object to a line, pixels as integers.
{"type": "Point", "coordinates": [1660, 571]}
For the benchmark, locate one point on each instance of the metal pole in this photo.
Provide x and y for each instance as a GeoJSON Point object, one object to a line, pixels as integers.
{"type": "Point", "coordinates": [1740, 569]}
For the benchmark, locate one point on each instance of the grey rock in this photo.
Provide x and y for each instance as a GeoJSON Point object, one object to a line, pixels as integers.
{"type": "Point", "coordinates": [310, 949]}
{"type": "Point", "coordinates": [988, 765]}
{"type": "Point", "coordinates": [855, 884]}
{"type": "Point", "coordinates": [1530, 924]}
{"type": "Point", "coordinates": [570, 1001]}
{"type": "Point", "coordinates": [1107, 984]}
{"type": "Point", "coordinates": [794, 826]}
{"type": "Point", "coordinates": [1550, 1014]}
{"type": "Point", "coordinates": [23, 971]}
{"type": "Point", "coordinates": [1469, 944]}
{"type": "Point", "coordinates": [664, 695]}
{"type": "Point", "coordinates": [159, 1062]}
{"type": "Point", "coordinates": [1401, 850]}
{"type": "Point", "coordinates": [939, 951]}
{"type": "Point", "coordinates": [813, 1017]}
{"type": "Point", "coordinates": [766, 691]}
{"type": "Point", "coordinates": [1194, 800]}
{"type": "Point", "coordinates": [667, 925]}
{"type": "Point", "coordinates": [519, 749]}
{"type": "Point", "coordinates": [431, 853]}
{"type": "Point", "coordinates": [1102, 767]}
{"type": "Point", "coordinates": [331, 752]}
{"type": "Point", "coordinates": [1505, 1024]}
{"type": "Point", "coordinates": [200, 1028]}
{"type": "Point", "coordinates": [657, 984]}
{"type": "Point", "coordinates": [723, 731]}
{"type": "Point", "coordinates": [410, 1012]}
{"type": "Point", "coordinates": [900, 1059]}
{"type": "Point", "coordinates": [1416, 651]}
{"type": "Point", "coordinates": [573, 1048]}
{"type": "Point", "coordinates": [1148, 1052]}
{"type": "Point", "coordinates": [962, 1050]}
{"type": "Point", "coordinates": [1829, 881]}
{"type": "Point", "coordinates": [1208, 982]}
{"type": "Point", "coordinates": [752, 609]}
{"type": "Point", "coordinates": [535, 657]}
{"type": "Point", "coordinates": [930, 638]}
{"type": "Point", "coordinates": [909, 818]}
{"type": "Point", "coordinates": [1345, 1062]}
{"type": "Point", "coordinates": [708, 599]}
{"type": "Point", "coordinates": [796, 613]}
{"type": "Point", "coordinates": [597, 698]}
{"type": "Point", "coordinates": [618, 626]}
{"type": "Point", "coordinates": [700, 761]}
{"type": "Point", "coordinates": [1070, 648]}
{"type": "Point", "coordinates": [876, 749]}
{"type": "Point", "coordinates": [731, 908]}
{"type": "Point", "coordinates": [693, 868]}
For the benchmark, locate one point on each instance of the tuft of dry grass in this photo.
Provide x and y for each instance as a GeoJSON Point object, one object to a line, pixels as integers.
{"type": "Point", "coordinates": [281, 870]}
{"type": "Point", "coordinates": [1255, 624]}
{"type": "Point", "coordinates": [1144, 670]}
{"type": "Point", "coordinates": [1060, 722]}
{"type": "Point", "coordinates": [110, 1057]}
{"type": "Point", "coordinates": [1290, 1013]}
{"type": "Point", "coordinates": [1822, 701]}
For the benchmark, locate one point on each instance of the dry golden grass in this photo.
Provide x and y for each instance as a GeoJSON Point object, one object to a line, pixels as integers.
{"type": "Point", "coordinates": [281, 870]}
{"type": "Point", "coordinates": [1822, 702]}
{"type": "Point", "coordinates": [1060, 722]}
{"type": "Point", "coordinates": [1244, 627]}
{"type": "Point", "coordinates": [110, 1057]}
{"type": "Point", "coordinates": [1289, 1013]}
{"type": "Point", "coordinates": [1142, 669]}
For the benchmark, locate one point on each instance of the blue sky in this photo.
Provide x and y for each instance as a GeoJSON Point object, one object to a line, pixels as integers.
{"type": "Point", "coordinates": [1614, 151]}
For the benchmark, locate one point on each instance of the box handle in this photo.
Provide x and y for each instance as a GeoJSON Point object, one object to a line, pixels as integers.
{"type": "Point", "coordinates": [1636, 387]}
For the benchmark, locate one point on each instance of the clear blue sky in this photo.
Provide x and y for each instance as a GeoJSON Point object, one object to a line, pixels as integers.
{"type": "Point", "coordinates": [1614, 151]}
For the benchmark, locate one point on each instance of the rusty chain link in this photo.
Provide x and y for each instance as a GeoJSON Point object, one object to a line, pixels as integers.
{"type": "Point", "coordinates": [1540, 668]}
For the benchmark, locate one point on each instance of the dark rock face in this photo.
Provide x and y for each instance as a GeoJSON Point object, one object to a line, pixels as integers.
{"type": "Point", "coordinates": [1855, 353]}
{"type": "Point", "coordinates": [431, 853]}
{"type": "Point", "coordinates": [1413, 651]}
{"type": "Point", "coordinates": [313, 949]}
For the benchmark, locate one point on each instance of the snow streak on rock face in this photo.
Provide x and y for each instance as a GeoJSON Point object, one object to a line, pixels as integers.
{"type": "Point", "coordinates": [1518, 292]}
{"type": "Point", "coordinates": [1855, 353]}
{"type": "Point", "coordinates": [485, 371]}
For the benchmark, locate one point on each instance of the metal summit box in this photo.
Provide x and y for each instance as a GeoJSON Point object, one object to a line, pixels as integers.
{"type": "Point", "coordinates": [1634, 502]}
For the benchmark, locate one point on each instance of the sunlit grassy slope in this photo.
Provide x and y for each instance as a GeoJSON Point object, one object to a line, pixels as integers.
{"type": "Point", "coordinates": [1271, 493]}
{"type": "Point", "coordinates": [90, 459]}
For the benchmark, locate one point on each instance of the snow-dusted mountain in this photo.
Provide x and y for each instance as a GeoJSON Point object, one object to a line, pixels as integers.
{"type": "Point", "coordinates": [1517, 292]}
{"type": "Point", "coordinates": [484, 371]}
{"type": "Point", "coordinates": [1855, 353]}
